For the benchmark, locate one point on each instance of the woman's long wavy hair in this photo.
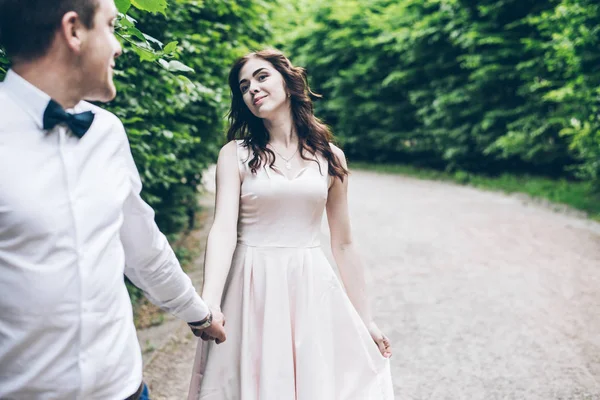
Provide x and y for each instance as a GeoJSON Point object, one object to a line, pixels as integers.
{"type": "Point", "coordinates": [313, 135]}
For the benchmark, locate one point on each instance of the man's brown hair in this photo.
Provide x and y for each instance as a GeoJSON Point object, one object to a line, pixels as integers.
{"type": "Point", "coordinates": [27, 27]}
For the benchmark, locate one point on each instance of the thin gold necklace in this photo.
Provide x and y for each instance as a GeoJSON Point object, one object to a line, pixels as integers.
{"type": "Point", "coordinates": [288, 164]}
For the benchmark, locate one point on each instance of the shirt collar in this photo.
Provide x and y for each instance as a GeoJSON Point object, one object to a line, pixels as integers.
{"type": "Point", "coordinates": [33, 100]}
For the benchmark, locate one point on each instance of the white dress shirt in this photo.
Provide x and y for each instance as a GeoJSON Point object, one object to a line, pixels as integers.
{"type": "Point", "coordinates": [71, 223]}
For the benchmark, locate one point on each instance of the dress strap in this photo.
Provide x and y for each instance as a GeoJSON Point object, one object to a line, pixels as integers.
{"type": "Point", "coordinates": [324, 168]}
{"type": "Point", "coordinates": [242, 156]}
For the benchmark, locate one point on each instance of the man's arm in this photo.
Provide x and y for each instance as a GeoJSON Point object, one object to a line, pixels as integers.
{"type": "Point", "coordinates": [151, 263]}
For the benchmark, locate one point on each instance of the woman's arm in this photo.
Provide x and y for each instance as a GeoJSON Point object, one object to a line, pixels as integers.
{"type": "Point", "coordinates": [351, 267]}
{"type": "Point", "coordinates": [222, 237]}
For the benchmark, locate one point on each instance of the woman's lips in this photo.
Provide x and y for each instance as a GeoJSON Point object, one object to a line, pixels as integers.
{"type": "Point", "coordinates": [259, 100]}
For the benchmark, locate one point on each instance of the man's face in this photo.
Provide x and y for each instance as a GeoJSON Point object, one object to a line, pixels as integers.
{"type": "Point", "coordinates": [98, 53]}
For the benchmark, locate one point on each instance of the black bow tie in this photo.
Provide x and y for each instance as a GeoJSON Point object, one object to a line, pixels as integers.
{"type": "Point", "coordinates": [78, 123]}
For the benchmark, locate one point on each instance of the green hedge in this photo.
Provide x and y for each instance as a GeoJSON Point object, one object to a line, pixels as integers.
{"type": "Point", "coordinates": [487, 86]}
{"type": "Point", "coordinates": [176, 122]}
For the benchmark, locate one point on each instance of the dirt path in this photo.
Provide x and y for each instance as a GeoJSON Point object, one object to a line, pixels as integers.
{"type": "Point", "coordinates": [483, 295]}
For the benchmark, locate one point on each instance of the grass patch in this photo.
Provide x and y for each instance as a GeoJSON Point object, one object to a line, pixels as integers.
{"type": "Point", "coordinates": [578, 195]}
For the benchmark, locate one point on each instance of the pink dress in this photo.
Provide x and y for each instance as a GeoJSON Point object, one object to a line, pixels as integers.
{"type": "Point", "coordinates": [292, 332]}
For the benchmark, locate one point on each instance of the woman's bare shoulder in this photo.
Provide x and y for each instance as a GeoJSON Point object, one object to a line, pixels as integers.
{"type": "Point", "coordinates": [338, 153]}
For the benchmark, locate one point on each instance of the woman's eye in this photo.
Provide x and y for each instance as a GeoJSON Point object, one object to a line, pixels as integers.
{"type": "Point", "coordinates": [262, 78]}
{"type": "Point", "coordinates": [244, 89]}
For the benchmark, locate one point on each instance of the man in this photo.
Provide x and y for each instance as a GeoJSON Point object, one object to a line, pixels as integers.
{"type": "Point", "coordinates": [71, 217]}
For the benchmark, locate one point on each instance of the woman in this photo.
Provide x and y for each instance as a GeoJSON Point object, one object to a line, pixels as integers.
{"type": "Point", "coordinates": [293, 332]}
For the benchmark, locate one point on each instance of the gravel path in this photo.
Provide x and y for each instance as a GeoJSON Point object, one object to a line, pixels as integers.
{"type": "Point", "coordinates": [484, 296]}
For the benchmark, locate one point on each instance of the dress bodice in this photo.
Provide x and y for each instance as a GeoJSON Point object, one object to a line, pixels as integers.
{"type": "Point", "coordinates": [280, 211]}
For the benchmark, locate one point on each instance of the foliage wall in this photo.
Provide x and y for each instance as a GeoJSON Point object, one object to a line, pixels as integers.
{"type": "Point", "coordinates": [489, 86]}
{"type": "Point", "coordinates": [175, 120]}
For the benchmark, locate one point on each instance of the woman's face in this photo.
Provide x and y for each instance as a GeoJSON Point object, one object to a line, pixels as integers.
{"type": "Point", "coordinates": [262, 88]}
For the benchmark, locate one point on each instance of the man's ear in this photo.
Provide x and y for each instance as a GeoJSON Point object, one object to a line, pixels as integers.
{"type": "Point", "coordinates": [72, 31]}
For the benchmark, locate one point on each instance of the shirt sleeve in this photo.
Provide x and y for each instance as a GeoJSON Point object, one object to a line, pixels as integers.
{"type": "Point", "coordinates": [150, 262]}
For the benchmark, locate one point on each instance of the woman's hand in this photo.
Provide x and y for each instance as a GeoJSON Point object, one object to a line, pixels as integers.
{"type": "Point", "coordinates": [383, 343]}
{"type": "Point", "coordinates": [216, 330]}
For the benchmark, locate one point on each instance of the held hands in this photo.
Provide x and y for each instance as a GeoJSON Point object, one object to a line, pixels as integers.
{"type": "Point", "coordinates": [215, 331]}
{"type": "Point", "coordinates": [380, 339]}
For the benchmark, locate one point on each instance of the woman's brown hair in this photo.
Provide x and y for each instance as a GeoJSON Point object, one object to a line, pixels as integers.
{"type": "Point", "coordinates": [313, 135]}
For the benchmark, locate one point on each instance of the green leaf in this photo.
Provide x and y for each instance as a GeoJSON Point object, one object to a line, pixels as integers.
{"type": "Point", "coordinates": [170, 47]}
{"type": "Point", "coordinates": [151, 5]}
{"type": "Point", "coordinates": [127, 22]}
{"type": "Point", "coordinates": [164, 64]}
{"type": "Point", "coordinates": [176, 66]}
{"type": "Point", "coordinates": [153, 40]}
{"type": "Point", "coordinates": [123, 5]}
{"type": "Point", "coordinates": [137, 33]}
{"type": "Point", "coordinates": [144, 54]}
{"type": "Point", "coordinates": [130, 19]}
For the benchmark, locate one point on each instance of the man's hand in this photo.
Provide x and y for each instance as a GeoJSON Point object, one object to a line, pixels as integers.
{"type": "Point", "coordinates": [216, 330]}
